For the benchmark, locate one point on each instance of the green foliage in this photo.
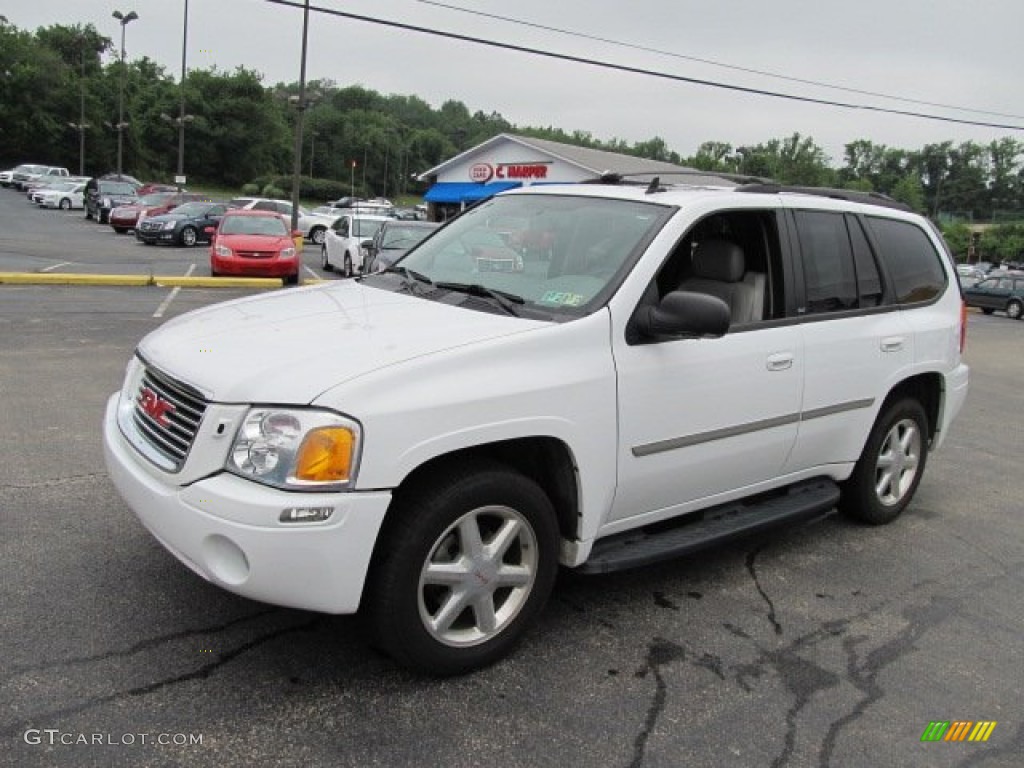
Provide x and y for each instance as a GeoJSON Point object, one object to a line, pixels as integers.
{"type": "Point", "coordinates": [1003, 242]}
{"type": "Point", "coordinates": [958, 238]}
{"type": "Point", "coordinates": [356, 140]}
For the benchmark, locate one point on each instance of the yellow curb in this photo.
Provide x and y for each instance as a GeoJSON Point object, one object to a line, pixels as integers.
{"type": "Point", "coordinates": [64, 278]}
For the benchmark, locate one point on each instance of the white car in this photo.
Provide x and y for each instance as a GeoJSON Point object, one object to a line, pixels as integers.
{"type": "Point", "coordinates": [66, 196]}
{"type": "Point", "coordinates": [683, 366]}
{"type": "Point", "coordinates": [347, 242]}
{"type": "Point", "coordinates": [312, 225]}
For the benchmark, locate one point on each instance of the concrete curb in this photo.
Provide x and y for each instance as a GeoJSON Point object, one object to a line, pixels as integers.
{"type": "Point", "coordinates": [59, 278]}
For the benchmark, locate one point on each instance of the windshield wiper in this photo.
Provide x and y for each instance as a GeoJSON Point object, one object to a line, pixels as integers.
{"type": "Point", "coordinates": [504, 299]}
{"type": "Point", "coordinates": [410, 273]}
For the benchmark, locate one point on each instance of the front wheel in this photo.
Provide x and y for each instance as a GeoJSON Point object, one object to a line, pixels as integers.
{"type": "Point", "coordinates": [467, 562]}
{"type": "Point", "coordinates": [1013, 310]}
{"type": "Point", "coordinates": [65, 204]}
{"type": "Point", "coordinates": [348, 271]}
{"type": "Point", "coordinates": [890, 468]}
{"type": "Point", "coordinates": [987, 310]}
{"type": "Point", "coordinates": [189, 236]}
{"type": "Point", "coordinates": [325, 262]}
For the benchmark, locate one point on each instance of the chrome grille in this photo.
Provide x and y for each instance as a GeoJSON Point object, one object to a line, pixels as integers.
{"type": "Point", "coordinates": [170, 429]}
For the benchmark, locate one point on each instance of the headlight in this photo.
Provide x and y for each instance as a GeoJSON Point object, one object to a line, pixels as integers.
{"type": "Point", "coordinates": [168, 225]}
{"type": "Point", "coordinates": [296, 449]}
{"type": "Point", "coordinates": [223, 251]}
{"type": "Point", "coordinates": [288, 253]}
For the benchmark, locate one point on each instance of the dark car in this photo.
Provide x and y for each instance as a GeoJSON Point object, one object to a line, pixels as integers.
{"type": "Point", "coordinates": [392, 241]}
{"type": "Point", "coordinates": [125, 217]}
{"type": "Point", "coordinates": [184, 225]}
{"type": "Point", "coordinates": [105, 193]}
{"type": "Point", "coordinates": [1004, 293]}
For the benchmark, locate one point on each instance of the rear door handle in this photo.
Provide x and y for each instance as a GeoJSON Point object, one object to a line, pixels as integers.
{"type": "Point", "coordinates": [892, 344]}
{"type": "Point", "coordinates": [779, 362]}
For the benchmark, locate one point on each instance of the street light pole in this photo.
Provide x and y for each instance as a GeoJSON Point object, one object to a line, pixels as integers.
{"type": "Point", "coordinates": [181, 110]}
{"type": "Point", "coordinates": [297, 164]}
{"type": "Point", "coordinates": [125, 19]}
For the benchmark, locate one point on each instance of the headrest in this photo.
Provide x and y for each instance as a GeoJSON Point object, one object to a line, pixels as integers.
{"type": "Point", "coordinates": [719, 260]}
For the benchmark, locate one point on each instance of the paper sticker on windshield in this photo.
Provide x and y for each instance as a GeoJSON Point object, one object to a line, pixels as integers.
{"type": "Point", "coordinates": [562, 298]}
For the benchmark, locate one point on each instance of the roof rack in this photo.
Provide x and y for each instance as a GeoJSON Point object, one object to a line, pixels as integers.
{"type": "Point", "coordinates": [850, 195]}
{"type": "Point", "coordinates": [650, 177]}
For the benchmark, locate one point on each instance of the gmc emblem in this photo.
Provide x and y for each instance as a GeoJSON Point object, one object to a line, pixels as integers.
{"type": "Point", "coordinates": [155, 407]}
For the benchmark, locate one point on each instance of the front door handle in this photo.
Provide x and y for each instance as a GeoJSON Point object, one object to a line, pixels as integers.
{"type": "Point", "coordinates": [779, 362]}
{"type": "Point", "coordinates": [892, 344]}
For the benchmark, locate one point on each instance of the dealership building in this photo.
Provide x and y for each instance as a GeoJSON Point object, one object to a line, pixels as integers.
{"type": "Point", "coordinates": [507, 161]}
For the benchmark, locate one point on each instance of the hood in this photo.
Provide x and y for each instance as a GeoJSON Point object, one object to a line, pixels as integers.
{"type": "Point", "coordinates": [255, 242]}
{"type": "Point", "coordinates": [290, 346]}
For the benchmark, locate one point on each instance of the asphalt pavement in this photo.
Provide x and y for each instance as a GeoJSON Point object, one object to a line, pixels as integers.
{"type": "Point", "coordinates": [827, 644]}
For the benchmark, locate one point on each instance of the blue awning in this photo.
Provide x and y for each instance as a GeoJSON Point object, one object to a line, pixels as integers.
{"type": "Point", "coordinates": [466, 191]}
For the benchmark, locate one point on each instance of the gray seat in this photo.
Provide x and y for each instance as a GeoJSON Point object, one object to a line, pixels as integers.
{"type": "Point", "coordinates": [719, 269]}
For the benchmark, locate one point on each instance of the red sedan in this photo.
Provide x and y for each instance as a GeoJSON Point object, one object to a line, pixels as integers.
{"type": "Point", "coordinates": [126, 217]}
{"type": "Point", "coordinates": [254, 243]}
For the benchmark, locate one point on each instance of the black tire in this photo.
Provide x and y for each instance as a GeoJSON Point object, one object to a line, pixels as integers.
{"type": "Point", "coordinates": [291, 279]}
{"type": "Point", "coordinates": [188, 237]}
{"type": "Point", "coordinates": [317, 235]}
{"type": "Point", "coordinates": [1013, 310]}
{"type": "Point", "coordinates": [88, 215]}
{"type": "Point", "coordinates": [64, 204]}
{"type": "Point", "coordinates": [891, 466]}
{"type": "Point", "coordinates": [432, 604]}
{"type": "Point", "coordinates": [987, 310]}
{"type": "Point", "coordinates": [348, 271]}
{"type": "Point", "coordinates": [119, 230]}
{"type": "Point", "coordinates": [325, 264]}
{"type": "Point", "coordinates": [104, 218]}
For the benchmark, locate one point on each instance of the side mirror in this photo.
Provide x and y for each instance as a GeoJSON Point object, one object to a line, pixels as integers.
{"type": "Point", "coordinates": [684, 314]}
{"type": "Point", "coordinates": [368, 243]}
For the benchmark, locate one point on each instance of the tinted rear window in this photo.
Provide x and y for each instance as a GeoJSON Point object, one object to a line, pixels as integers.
{"type": "Point", "coordinates": [911, 258]}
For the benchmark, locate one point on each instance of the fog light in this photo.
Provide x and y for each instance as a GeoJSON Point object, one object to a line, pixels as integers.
{"type": "Point", "coordinates": [306, 514]}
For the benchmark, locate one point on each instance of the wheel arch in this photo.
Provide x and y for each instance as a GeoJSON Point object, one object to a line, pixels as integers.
{"type": "Point", "coordinates": [928, 390]}
{"type": "Point", "coordinates": [547, 461]}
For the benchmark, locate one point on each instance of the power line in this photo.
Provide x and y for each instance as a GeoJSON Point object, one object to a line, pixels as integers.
{"type": "Point", "coordinates": [712, 62]}
{"type": "Point", "coordinates": [640, 70]}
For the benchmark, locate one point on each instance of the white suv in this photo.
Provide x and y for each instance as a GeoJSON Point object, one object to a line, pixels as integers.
{"type": "Point", "coordinates": [678, 366]}
{"type": "Point", "coordinates": [312, 225]}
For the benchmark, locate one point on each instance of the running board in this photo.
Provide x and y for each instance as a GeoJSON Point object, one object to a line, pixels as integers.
{"type": "Point", "coordinates": [641, 547]}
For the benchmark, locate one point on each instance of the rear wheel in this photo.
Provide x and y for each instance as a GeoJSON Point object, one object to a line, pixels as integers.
{"type": "Point", "coordinates": [65, 204]}
{"type": "Point", "coordinates": [189, 236]}
{"type": "Point", "coordinates": [465, 566]}
{"type": "Point", "coordinates": [325, 263]}
{"type": "Point", "coordinates": [348, 266]}
{"type": "Point", "coordinates": [318, 235]}
{"type": "Point", "coordinates": [890, 468]}
{"type": "Point", "coordinates": [1013, 310]}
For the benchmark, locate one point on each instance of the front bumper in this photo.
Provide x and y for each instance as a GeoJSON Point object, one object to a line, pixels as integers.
{"type": "Point", "coordinates": [311, 566]}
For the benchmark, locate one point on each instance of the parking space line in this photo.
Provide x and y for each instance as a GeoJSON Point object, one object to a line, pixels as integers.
{"type": "Point", "coordinates": [174, 292]}
{"type": "Point", "coordinates": [62, 264]}
{"type": "Point", "coordinates": [310, 270]}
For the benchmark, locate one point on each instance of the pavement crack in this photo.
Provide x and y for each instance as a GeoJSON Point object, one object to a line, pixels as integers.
{"type": "Point", "coordinates": [142, 645]}
{"type": "Point", "coordinates": [201, 673]}
{"type": "Point", "coordinates": [752, 570]}
{"type": "Point", "coordinates": [659, 653]}
{"type": "Point", "coordinates": [863, 675]}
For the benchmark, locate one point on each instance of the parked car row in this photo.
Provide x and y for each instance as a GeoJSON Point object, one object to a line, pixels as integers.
{"type": "Point", "coordinates": [1002, 293]}
{"type": "Point", "coordinates": [26, 173]}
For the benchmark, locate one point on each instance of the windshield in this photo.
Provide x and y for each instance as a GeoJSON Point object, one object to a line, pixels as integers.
{"type": "Point", "coordinates": [399, 237]}
{"type": "Point", "coordinates": [272, 226]}
{"type": "Point", "coordinates": [366, 228]}
{"type": "Point", "coordinates": [191, 209]}
{"type": "Point", "coordinates": [116, 188]}
{"type": "Point", "coordinates": [560, 254]}
{"type": "Point", "coordinates": [156, 198]}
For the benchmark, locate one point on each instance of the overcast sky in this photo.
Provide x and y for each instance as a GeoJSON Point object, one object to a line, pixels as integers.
{"type": "Point", "coordinates": [940, 51]}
